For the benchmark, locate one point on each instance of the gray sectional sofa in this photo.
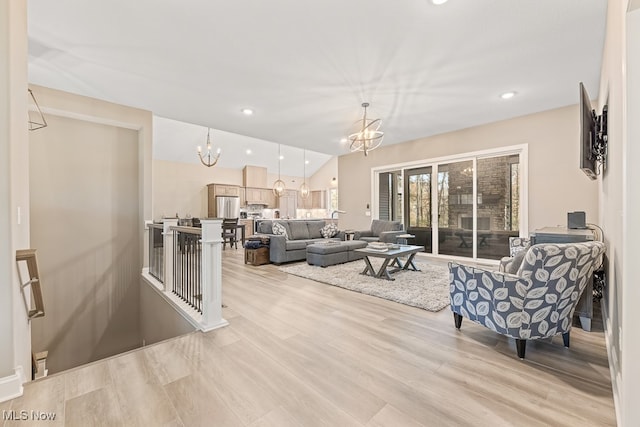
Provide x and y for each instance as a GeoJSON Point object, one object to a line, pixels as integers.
{"type": "Point", "coordinates": [300, 233]}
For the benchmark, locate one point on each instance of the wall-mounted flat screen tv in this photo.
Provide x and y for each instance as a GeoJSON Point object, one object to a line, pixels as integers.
{"type": "Point", "coordinates": [588, 121]}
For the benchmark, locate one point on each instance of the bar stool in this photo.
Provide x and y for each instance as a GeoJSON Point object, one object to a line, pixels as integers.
{"type": "Point", "coordinates": [230, 232]}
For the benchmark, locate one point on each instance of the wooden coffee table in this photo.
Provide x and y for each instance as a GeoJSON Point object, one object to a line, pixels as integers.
{"type": "Point", "coordinates": [391, 259]}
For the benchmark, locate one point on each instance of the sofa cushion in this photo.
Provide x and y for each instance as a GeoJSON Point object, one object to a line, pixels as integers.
{"type": "Point", "coordinates": [298, 229]}
{"type": "Point", "coordinates": [329, 230]}
{"type": "Point", "coordinates": [315, 228]}
{"type": "Point", "coordinates": [378, 226]}
{"type": "Point", "coordinates": [292, 245]}
{"type": "Point", "coordinates": [265, 227]}
{"type": "Point", "coordinates": [280, 230]}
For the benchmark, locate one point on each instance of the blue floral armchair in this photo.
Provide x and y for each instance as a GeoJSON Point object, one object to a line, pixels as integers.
{"type": "Point", "coordinates": [536, 302]}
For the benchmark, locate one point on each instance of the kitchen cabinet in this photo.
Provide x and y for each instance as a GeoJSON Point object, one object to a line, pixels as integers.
{"type": "Point", "coordinates": [254, 176]}
{"type": "Point", "coordinates": [226, 190]}
{"type": "Point", "coordinates": [288, 203]}
{"type": "Point", "coordinates": [260, 196]}
{"type": "Point", "coordinates": [243, 196]}
{"type": "Point", "coordinates": [304, 203]}
{"type": "Point", "coordinates": [248, 226]}
{"type": "Point", "coordinates": [318, 199]}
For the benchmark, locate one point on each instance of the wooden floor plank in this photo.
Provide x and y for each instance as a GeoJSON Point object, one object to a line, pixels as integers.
{"type": "Point", "coordinates": [302, 353]}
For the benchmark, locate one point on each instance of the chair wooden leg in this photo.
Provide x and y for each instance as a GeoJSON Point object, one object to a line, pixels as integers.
{"type": "Point", "coordinates": [521, 345]}
{"type": "Point", "coordinates": [565, 338]}
{"type": "Point", "coordinates": [457, 320]}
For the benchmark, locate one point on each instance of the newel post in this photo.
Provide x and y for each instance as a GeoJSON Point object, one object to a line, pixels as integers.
{"type": "Point", "coordinates": [212, 274]}
{"type": "Point", "coordinates": [167, 240]}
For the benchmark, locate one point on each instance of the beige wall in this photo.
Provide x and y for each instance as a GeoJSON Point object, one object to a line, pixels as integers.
{"type": "Point", "coordinates": [159, 321]}
{"type": "Point", "coordinates": [15, 353]}
{"type": "Point", "coordinates": [321, 180]}
{"type": "Point", "coordinates": [556, 184]}
{"type": "Point", "coordinates": [84, 225]}
{"type": "Point", "coordinates": [108, 209]}
{"type": "Point", "coordinates": [182, 187]}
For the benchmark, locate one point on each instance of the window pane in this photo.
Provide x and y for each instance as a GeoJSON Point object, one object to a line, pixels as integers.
{"type": "Point", "coordinates": [455, 208]}
{"type": "Point", "coordinates": [498, 214]}
{"type": "Point", "coordinates": [417, 191]}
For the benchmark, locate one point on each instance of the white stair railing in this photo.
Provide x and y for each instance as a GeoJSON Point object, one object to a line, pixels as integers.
{"type": "Point", "coordinates": [200, 278]}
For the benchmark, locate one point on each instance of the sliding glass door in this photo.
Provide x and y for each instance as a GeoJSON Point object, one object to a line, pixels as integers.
{"type": "Point", "coordinates": [498, 205]}
{"type": "Point", "coordinates": [455, 208]}
{"type": "Point", "coordinates": [418, 201]}
{"type": "Point", "coordinates": [465, 208]}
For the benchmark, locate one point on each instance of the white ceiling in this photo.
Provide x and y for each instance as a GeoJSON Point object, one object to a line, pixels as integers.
{"type": "Point", "coordinates": [306, 66]}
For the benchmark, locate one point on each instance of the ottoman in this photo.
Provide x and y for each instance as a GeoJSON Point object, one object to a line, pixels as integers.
{"type": "Point", "coordinates": [324, 254]}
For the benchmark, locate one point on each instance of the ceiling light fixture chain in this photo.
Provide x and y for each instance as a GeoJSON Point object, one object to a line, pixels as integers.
{"type": "Point", "coordinates": [279, 186]}
{"type": "Point", "coordinates": [304, 188]}
{"type": "Point", "coordinates": [368, 135]}
{"type": "Point", "coordinates": [211, 159]}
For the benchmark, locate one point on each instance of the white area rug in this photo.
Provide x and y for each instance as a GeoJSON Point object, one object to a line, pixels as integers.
{"type": "Point", "coordinates": [427, 289]}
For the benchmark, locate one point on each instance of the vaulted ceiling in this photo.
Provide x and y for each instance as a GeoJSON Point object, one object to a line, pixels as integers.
{"type": "Point", "coordinates": [305, 67]}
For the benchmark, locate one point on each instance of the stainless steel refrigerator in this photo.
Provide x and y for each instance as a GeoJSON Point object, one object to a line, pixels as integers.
{"type": "Point", "coordinates": [227, 206]}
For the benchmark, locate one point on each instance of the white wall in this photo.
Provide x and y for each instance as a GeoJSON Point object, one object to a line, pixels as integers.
{"type": "Point", "coordinates": [620, 203]}
{"type": "Point", "coordinates": [556, 184]}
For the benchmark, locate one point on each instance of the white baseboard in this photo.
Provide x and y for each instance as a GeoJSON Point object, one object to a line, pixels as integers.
{"type": "Point", "coordinates": [614, 367]}
{"type": "Point", "coordinates": [220, 324]}
{"type": "Point", "coordinates": [11, 386]}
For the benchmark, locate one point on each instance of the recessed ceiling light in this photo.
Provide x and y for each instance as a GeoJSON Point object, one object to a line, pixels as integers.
{"type": "Point", "coordinates": [281, 157]}
{"type": "Point", "coordinates": [508, 95]}
{"type": "Point", "coordinates": [438, 2]}
{"type": "Point", "coordinates": [248, 151]}
{"type": "Point", "coordinates": [306, 162]}
{"type": "Point", "coordinates": [247, 111]}
{"type": "Point", "coordinates": [343, 140]}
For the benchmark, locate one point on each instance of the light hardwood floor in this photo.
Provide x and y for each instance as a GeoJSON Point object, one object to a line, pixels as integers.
{"type": "Point", "coordinates": [301, 353]}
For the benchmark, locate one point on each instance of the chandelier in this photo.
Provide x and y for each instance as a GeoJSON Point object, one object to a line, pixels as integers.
{"type": "Point", "coordinates": [278, 186]}
{"type": "Point", "coordinates": [211, 159]}
{"type": "Point", "coordinates": [304, 188]}
{"type": "Point", "coordinates": [368, 136]}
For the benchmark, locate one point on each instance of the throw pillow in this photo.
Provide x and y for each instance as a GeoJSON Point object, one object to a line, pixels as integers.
{"type": "Point", "coordinates": [279, 230]}
{"type": "Point", "coordinates": [329, 230]}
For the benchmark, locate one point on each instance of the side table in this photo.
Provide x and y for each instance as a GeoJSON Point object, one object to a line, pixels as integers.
{"type": "Point", "coordinates": [256, 250]}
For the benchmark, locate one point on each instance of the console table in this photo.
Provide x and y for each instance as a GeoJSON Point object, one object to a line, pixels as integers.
{"type": "Point", "coordinates": [584, 309]}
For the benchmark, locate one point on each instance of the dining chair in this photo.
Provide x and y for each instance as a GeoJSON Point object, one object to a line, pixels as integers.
{"type": "Point", "coordinates": [230, 232]}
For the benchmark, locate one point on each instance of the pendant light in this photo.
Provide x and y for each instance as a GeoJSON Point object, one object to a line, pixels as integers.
{"type": "Point", "coordinates": [278, 186]}
{"type": "Point", "coordinates": [211, 159]}
{"type": "Point", "coordinates": [304, 188]}
{"type": "Point", "coordinates": [368, 135]}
